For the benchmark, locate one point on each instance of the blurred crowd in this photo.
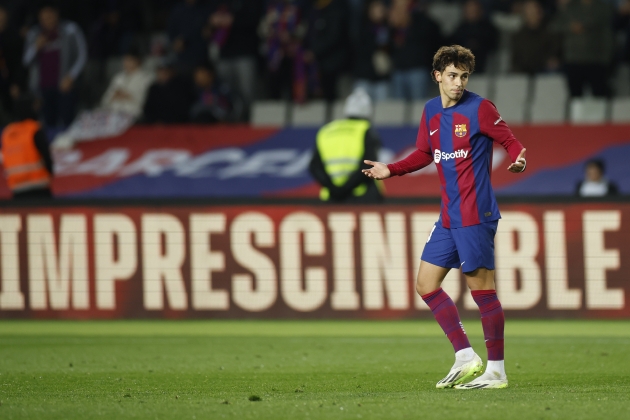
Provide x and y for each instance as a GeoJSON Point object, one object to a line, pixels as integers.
{"type": "Point", "coordinates": [205, 61]}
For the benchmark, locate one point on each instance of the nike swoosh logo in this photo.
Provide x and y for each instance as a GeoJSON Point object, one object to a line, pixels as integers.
{"type": "Point", "coordinates": [433, 132]}
{"type": "Point", "coordinates": [462, 263]}
{"type": "Point", "coordinates": [498, 121]}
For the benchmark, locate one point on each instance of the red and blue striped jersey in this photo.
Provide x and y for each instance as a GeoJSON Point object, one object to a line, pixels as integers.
{"type": "Point", "coordinates": [459, 140]}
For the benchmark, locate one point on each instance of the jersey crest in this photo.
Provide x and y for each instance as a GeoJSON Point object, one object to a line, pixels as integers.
{"type": "Point", "coordinates": [460, 130]}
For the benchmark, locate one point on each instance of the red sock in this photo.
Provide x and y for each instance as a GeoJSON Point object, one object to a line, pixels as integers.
{"type": "Point", "coordinates": [492, 320]}
{"type": "Point", "coordinates": [446, 315]}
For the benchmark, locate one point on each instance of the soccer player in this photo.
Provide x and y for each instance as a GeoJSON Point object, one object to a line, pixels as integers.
{"type": "Point", "coordinates": [456, 132]}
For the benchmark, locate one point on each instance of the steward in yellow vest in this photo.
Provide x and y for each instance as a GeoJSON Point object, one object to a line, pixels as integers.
{"type": "Point", "coordinates": [341, 148]}
{"type": "Point", "coordinates": [26, 155]}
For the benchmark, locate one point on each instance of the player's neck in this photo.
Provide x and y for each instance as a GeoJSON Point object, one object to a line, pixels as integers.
{"type": "Point", "coordinates": [448, 102]}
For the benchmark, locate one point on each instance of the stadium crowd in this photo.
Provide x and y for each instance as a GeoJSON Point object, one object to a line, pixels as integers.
{"type": "Point", "coordinates": [205, 61]}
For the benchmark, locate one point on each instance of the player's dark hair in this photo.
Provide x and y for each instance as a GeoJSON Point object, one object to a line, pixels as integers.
{"type": "Point", "coordinates": [462, 58]}
{"type": "Point", "coordinates": [598, 163]}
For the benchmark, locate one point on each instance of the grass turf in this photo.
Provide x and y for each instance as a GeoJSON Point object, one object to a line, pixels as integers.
{"type": "Point", "coordinates": [304, 369]}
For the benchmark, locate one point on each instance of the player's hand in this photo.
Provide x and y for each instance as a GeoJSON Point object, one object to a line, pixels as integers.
{"type": "Point", "coordinates": [378, 170]}
{"type": "Point", "coordinates": [519, 165]}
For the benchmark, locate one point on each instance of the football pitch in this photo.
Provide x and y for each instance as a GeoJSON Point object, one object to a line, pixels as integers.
{"type": "Point", "coordinates": [304, 370]}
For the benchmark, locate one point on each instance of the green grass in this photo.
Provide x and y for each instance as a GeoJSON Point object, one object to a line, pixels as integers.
{"type": "Point", "coordinates": [304, 370]}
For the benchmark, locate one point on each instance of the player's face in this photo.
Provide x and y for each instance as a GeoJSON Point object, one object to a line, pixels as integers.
{"type": "Point", "coordinates": [452, 82]}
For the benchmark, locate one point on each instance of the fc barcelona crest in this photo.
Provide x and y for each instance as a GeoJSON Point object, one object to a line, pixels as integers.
{"type": "Point", "coordinates": [460, 130]}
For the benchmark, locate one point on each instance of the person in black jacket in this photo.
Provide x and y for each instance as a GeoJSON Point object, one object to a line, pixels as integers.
{"type": "Point", "coordinates": [477, 33]}
{"type": "Point", "coordinates": [372, 62]}
{"type": "Point", "coordinates": [169, 98]}
{"type": "Point", "coordinates": [415, 39]}
{"type": "Point", "coordinates": [234, 42]}
{"type": "Point", "coordinates": [12, 74]}
{"type": "Point", "coordinates": [328, 42]}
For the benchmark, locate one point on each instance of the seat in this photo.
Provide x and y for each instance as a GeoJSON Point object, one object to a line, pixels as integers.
{"type": "Point", "coordinates": [312, 114]}
{"type": "Point", "coordinates": [113, 65]}
{"type": "Point", "coordinates": [416, 112]}
{"type": "Point", "coordinates": [588, 110]}
{"type": "Point", "coordinates": [620, 110]}
{"type": "Point", "coordinates": [549, 102]}
{"type": "Point", "coordinates": [511, 95]}
{"type": "Point", "coordinates": [390, 113]}
{"type": "Point", "coordinates": [447, 14]}
{"type": "Point", "coordinates": [337, 111]}
{"type": "Point", "coordinates": [269, 113]}
{"type": "Point", "coordinates": [479, 84]}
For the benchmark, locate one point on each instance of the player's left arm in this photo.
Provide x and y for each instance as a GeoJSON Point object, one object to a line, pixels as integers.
{"type": "Point", "coordinates": [492, 125]}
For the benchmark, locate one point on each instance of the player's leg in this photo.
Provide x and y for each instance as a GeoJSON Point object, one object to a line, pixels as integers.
{"type": "Point", "coordinates": [476, 246]}
{"type": "Point", "coordinates": [438, 257]}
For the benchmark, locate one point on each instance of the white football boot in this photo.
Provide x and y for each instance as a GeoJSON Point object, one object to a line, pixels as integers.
{"type": "Point", "coordinates": [489, 380]}
{"type": "Point", "coordinates": [461, 371]}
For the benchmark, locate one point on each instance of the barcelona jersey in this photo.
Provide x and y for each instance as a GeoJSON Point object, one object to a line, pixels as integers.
{"type": "Point", "coordinates": [459, 140]}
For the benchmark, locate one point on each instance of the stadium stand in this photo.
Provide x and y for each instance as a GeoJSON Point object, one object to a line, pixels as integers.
{"type": "Point", "coordinates": [416, 111]}
{"type": "Point", "coordinates": [588, 110]}
{"type": "Point", "coordinates": [549, 99]}
{"type": "Point", "coordinates": [511, 96]}
{"type": "Point", "coordinates": [269, 113]}
{"type": "Point", "coordinates": [390, 113]}
{"type": "Point", "coordinates": [308, 115]}
{"type": "Point", "coordinates": [337, 110]}
{"type": "Point", "coordinates": [620, 110]}
{"type": "Point", "coordinates": [447, 14]}
{"type": "Point", "coordinates": [480, 84]}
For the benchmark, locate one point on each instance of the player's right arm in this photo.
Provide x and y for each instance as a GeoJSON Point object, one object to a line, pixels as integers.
{"type": "Point", "coordinates": [418, 159]}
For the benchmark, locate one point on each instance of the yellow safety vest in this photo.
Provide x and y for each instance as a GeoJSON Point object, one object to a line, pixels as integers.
{"type": "Point", "coordinates": [341, 145]}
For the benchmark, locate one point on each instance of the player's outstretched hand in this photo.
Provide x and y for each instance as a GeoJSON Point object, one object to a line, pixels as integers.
{"type": "Point", "coordinates": [378, 170]}
{"type": "Point", "coordinates": [519, 165]}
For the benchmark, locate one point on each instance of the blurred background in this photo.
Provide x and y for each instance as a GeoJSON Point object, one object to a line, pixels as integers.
{"type": "Point", "coordinates": [300, 51]}
{"type": "Point", "coordinates": [170, 144]}
{"type": "Point", "coordinates": [262, 75]}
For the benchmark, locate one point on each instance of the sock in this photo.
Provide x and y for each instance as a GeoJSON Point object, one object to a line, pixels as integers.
{"type": "Point", "coordinates": [492, 320]}
{"type": "Point", "coordinates": [497, 366]}
{"type": "Point", "coordinates": [465, 355]}
{"type": "Point", "coordinates": [446, 315]}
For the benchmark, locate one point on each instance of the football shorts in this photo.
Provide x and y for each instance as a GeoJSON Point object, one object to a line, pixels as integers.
{"type": "Point", "coordinates": [469, 247]}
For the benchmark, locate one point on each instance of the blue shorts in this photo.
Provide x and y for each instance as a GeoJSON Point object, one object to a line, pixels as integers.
{"type": "Point", "coordinates": [469, 247]}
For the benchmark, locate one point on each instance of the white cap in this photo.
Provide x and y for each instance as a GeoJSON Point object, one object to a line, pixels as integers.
{"type": "Point", "coordinates": [358, 105]}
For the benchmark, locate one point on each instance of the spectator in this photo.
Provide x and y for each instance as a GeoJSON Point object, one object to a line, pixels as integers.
{"type": "Point", "coordinates": [282, 32]}
{"type": "Point", "coordinates": [127, 91]}
{"type": "Point", "coordinates": [234, 25]}
{"type": "Point", "coordinates": [477, 33]}
{"type": "Point", "coordinates": [114, 29]}
{"type": "Point", "coordinates": [587, 41]}
{"type": "Point", "coordinates": [12, 79]}
{"type": "Point", "coordinates": [535, 49]}
{"type": "Point", "coordinates": [27, 163]}
{"type": "Point", "coordinates": [595, 183]}
{"type": "Point", "coordinates": [55, 53]}
{"type": "Point", "coordinates": [328, 42]}
{"type": "Point", "coordinates": [215, 101]}
{"type": "Point", "coordinates": [120, 107]}
{"type": "Point", "coordinates": [622, 22]}
{"type": "Point", "coordinates": [169, 98]}
{"type": "Point", "coordinates": [372, 63]}
{"type": "Point", "coordinates": [416, 37]}
{"type": "Point", "coordinates": [185, 30]}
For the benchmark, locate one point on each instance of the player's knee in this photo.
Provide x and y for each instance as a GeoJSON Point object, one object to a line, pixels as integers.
{"type": "Point", "coordinates": [423, 289]}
